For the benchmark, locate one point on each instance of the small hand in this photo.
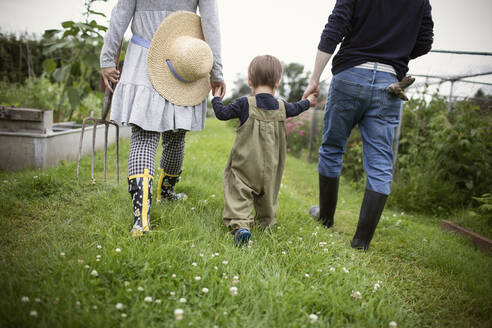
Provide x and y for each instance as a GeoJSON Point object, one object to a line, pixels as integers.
{"type": "Point", "coordinates": [110, 74]}
{"type": "Point", "coordinates": [220, 86]}
{"type": "Point", "coordinates": [313, 99]}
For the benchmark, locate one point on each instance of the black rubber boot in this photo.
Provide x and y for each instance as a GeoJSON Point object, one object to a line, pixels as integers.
{"type": "Point", "coordinates": [140, 189]}
{"type": "Point", "coordinates": [328, 196]}
{"type": "Point", "coordinates": [370, 212]}
{"type": "Point", "coordinates": [166, 187]}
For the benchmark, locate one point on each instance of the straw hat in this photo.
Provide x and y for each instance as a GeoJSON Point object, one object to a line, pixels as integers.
{"type": "Point", "coordinates": [179, 61]}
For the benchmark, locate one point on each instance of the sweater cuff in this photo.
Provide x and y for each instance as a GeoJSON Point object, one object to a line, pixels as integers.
{"type": "Point", "coordinates": [305, 104]}
{"type": "Point", "coordinates": [327, 45]}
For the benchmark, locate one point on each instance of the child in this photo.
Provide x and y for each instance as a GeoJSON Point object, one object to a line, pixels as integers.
{"type": "Point", "coordinates": [256, 163]}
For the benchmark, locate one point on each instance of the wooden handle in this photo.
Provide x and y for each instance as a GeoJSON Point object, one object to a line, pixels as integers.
{"type": "Point", "coordinates": [108, 95]}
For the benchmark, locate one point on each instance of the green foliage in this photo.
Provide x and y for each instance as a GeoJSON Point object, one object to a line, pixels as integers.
{"type": "Point", "coordinates": [294, 81]}
{"type": "Point", "coordinates": [43, 94]}
{"type": "Point", "coordinates": [78, 73]}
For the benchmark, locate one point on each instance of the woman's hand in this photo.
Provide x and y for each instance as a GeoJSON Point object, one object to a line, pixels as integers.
{"type": "Point", "coordinates": [110, 74]}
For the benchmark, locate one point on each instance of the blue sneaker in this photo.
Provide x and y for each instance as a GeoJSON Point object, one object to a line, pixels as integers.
{"type": "Point", "coordinates": [241, 237]}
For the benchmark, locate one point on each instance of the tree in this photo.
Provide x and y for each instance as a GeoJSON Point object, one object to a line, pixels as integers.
{"type": "Point", "coordinates": [294, 81]}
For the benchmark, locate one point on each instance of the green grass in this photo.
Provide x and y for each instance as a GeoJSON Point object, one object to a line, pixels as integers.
{"type": "Point", "coordinates": [428, 278]}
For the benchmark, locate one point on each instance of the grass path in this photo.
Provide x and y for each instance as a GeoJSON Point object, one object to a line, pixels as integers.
{"type": "Point", "coordinates": [56, 232]}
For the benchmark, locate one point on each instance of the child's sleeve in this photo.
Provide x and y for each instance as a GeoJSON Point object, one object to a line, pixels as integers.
{"type": "Point", "coordinates": [234, 110]}
{"type": "Point", "coordinates": [294, 109]}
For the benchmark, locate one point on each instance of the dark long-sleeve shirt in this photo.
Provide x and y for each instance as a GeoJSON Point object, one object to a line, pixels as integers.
{"type": "Point", "coordinates": [386, 31]}
{"type": "Point", "coordinates": [240, 107]}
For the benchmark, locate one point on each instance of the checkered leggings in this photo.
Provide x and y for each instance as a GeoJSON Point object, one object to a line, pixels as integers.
{"type": "Point", "coordinates": [143, 146]}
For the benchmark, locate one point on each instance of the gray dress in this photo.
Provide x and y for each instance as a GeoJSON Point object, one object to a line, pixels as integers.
{"type": "Point", "coordinates": [135, 101]}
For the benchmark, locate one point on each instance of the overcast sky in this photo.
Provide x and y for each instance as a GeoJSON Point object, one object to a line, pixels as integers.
{"type": "Point", "coordinates": [290, 31]}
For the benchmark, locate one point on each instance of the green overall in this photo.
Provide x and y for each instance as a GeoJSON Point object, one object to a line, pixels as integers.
{"type": "Point", "coordinates": [254, 170]}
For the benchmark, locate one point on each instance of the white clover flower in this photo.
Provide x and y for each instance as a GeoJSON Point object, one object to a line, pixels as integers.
{"type": "Point", "coordinates": [77, 304]}
{"type": "Point", "coordinates": [357, 295]}
{"type": "Point", "coordinates": [333, 243]}
{"type": "Point", "coordinates": [345, 270]}
{"type": "Point", "coordinates": [157, 301]}
{"type": "Point", "coordinates": [123, 315]}
{"type": "Point", "coordinates": [192, 208]}
{"type": "Point", "coordinates": [140, 289]}
{"type": "Point", "coordinates": [313, 318]}
{"type": "Point", "coordinates": [62, 254]}
{"type": "Point", "coordinates": [37, 300]}
{"type": "Point", "coordinates": [178, 314]}
{"type": "Point", "coordinates": [204, 290]}
{"type": "Point", "coordinates": [94, 307]}
{"type": "Point", "coordinates": [398, 223]}
{"type": "Point", "coordinates": [87, 266]}
{"type": "Point", "coordinates": [300, 238]}
{"type": "Point", "coordinates": [118, 250]}
{"type": "Point", "coordinates": [394, 215]}
{"type": "Point", "coordinates": [126, 283]}
{"type": "Point", "coordinates": [213, 195]}
{"type": "Point", "coordinates": [284, 252]}
{"type": "Point", "coordinates": [198, 278]}
{"type": "Point", "coordinates": [322, 243]}
{"type": "Point", "coordinates": [326, 250]}
{"type": "Point", "coordinates": [119, 306]}
{"type": "Point", "coordinates": [98, 256]}
{"type": "Point", "coordinates": [129, 290]}
{"type": "Point", "coordinates": [79, 261]}
{"type": "Point", "coordinates": [194, 264]}
{"type": "Point", "coordinates": [216, 254]}
{"type": "Point", "coordinates": [97, 260]}
{"type": "Point", "coordinates": [216, 267]}
{"type": "Point", "coordinates": [173, 275]}
{"type": "Point", "coordinates": [233, 291]}
{"type": "Point", "coordinates": [315, 233]}
{"type": "Point", "coordinates": [33, 313]}
{"type": "Point", "coordinates": [289, 242]}
{"type": "Point", "coordinates": [99, 246]}
{"type": "Point", "coordinates": [24, 299]}
{"type": "Point", "coordinates": [332, 269]}
{"type": "Point", "coordinates": [182, 300]}
{"type": "Point", "coordinates": [192, 245]}
{"type": "Point", "coordinates": [306, 275]}
{"type": "Point", "coordinates": [392, 324]}
{"type": "Point", "coordinates": [376, 286]}
{"type": "Point", "coordinates": [35, 177]}
{"type": "Point", "coordinates": [94, 273]}
{"type": "Point", "coordinates": [225, 262]}
{"type": "Point", "coordinates": [201, 255]}
{"type": "Point", "coordinates": [148, 299]}
{"type": "Point", "coordinates": [172, 293]}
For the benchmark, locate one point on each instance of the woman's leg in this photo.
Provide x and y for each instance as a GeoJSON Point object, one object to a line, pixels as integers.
{"type": "Point", "coordinates": [141, 167]}
{"type": "Point", "coordinates": [173, 144]}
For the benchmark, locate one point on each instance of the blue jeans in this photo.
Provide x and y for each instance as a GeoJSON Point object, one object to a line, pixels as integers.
{"type": "Point", "coordinates": [359, 96]}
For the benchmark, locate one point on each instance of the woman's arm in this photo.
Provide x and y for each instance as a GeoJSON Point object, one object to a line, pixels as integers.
{"type": "Point", "coordinates": [211, 31]}
{"type": "Point", "coordinates": [121, 15]}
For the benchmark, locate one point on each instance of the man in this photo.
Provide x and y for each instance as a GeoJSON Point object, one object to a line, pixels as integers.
{"type": "Point", "coordinates": [378, 37]}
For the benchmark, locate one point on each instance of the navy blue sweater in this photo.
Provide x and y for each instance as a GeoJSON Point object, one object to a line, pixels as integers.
{"type": "Point", "coordinates": [240, 107]}
{"type": "Point", "coordinates": [386, 31]}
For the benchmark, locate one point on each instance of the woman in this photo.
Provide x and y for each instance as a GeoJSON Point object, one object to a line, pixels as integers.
{"type": "Point", "coordinates": [137, 103]}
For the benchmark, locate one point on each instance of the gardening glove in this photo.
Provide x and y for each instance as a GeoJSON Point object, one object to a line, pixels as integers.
{"type": "Point", "coordinates": [399, 87]}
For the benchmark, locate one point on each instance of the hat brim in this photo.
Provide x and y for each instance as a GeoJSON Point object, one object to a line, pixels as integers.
{"type": "Point", "coordinates": [177, 24]}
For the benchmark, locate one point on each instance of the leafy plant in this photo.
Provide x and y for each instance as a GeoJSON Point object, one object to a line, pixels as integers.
{"type": "Point", "coordinates": [78, 74]}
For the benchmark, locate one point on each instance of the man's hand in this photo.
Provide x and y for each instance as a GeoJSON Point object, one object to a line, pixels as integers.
{"type": "Point", "coordinates": [311, 90]}
{"type": "Point", "coordinates": [110, 74]}
{"type": "Point", "coordinates": [218, 88]}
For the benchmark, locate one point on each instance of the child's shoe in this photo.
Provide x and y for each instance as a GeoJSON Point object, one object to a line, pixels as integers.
{"type": "Point", "coordinates": [241, 236]}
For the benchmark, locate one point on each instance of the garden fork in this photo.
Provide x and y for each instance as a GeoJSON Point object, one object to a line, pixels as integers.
{"type": "Point", "coordinates": [108, 95]}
